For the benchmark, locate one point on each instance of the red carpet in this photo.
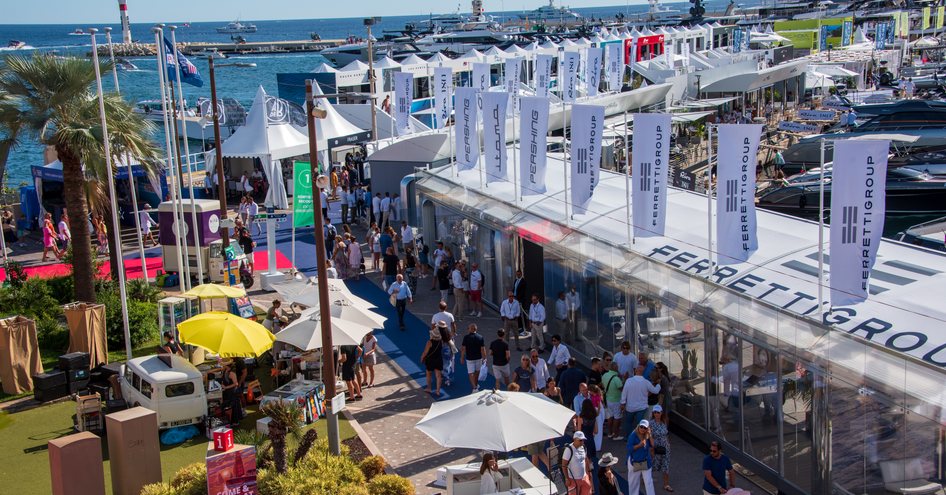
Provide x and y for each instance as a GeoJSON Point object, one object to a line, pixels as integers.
{"type": "Point", "coordinates": [133, 267]}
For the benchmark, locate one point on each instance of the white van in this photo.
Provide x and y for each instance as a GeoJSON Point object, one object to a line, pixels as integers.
{"type": "Point", "coordinates": [168, 385]}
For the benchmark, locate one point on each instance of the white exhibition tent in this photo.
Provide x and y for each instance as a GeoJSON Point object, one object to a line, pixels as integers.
{"type": "Point", "coordinates": [413, 59]}
{"type": "Point", "coordinates": [355, 65]}
{"type": "Point", "coordinates": [495, 51]}
{"type": "Point", "coordinates": [516, 51]}
{"type": "Point", "coordinates": [324, 68]}
{"type": "Point", "coordinates": [387, 63]}
{"type": "Point", "coordinates": [473, 54]}
{"type": "Point", "coordinates": [438, 58]}
{"type": "Point", "coordinates": [331, 127]}
{"type": "Point", "coordinates": [269, 140]}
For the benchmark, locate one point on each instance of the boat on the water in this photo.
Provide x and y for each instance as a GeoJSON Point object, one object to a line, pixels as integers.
{"type": "Point", "coordinates": [208, 52]}
{"type": "Point", "coordinates": [346, 54]}
{"type": "Point", "coordinates": [126, 65]}
{"type": "Point", "coordinates": [237, 27]}
{"type": "Point", "coordinates": [17, 45]}
{"type": "Point", "coordinates": [931, 234]}
{"type": "Point", "coordinates": [78, 32]}
{"type": "Point", "coordinates": [551, 13]}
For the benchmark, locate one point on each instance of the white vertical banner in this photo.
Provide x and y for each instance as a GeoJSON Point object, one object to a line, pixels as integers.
{"type": "Point", "coordinates": [737, 155]}
{"type": "Point", "coordinates": [586, 131]}
{"type": "Point", "coordinates": [650, 169]}
{"type": "Point", "coordinates": [593, 71]}
{"type": "Point", "coordinates": [403, 97]}
{"type": "Point", "coordinates": [858, 206]}
{"type": "Point", "coordinates": [467, 137]}
{"type": "Point", "coordinates": [543, 74]}
{"type": "Point", "coordinates": [568, 76]}
{"type": "Point", "coordinates": [513, 71]}
{"type": "Point", "coordinates": [614, 66]}
{"type": "Point", "coordinates": [480, 79]}
{"type": "Point", "coordinates": [494, 135]}
{"type": "Point", "coordinates": [533, 128]}
{"type": "Point", "coordinates": [632, 59]}
{"type": "Point", "coordinates": [443, 95]}
{"type": "Point", "coordinates": [668, 51]}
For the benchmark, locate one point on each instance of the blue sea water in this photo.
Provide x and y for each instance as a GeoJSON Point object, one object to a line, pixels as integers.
{"type": "Point", "coordinates": [239, 83]}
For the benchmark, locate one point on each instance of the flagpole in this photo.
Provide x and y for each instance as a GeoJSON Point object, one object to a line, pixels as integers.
{"type": "Point", "coordinates": [565, 159]}
{"type": "Point", "coordinates": [120, 269]}
{"type": "Point", "coordinates": [821, 235]}
{"type": "Point", "coordinates": [187, 157]}
{"type": "Point", "coordinates": [159, 52]}
{"type": "Point", "coordinates": [131, 175]}
{"type": "Point", "coordinates": [179, 184]}
{"type": "Point", "coordinates": [627, 180]}
{"type": "Point", "coordinates": [709, 199]}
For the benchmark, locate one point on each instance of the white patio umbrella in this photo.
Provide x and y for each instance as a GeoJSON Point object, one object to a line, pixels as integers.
{"type": "Point", "coordinates": [306, 293]}
{"type": "Point", "coordinates": [306, 332]}
{"type": "Point", "coordinates": [349, 312]}
{"type": "Point", "coordinates": [500, 421]}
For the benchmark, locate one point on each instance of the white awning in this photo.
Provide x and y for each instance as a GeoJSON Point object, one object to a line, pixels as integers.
{"type": "Point", "coordinates": [834, 70]}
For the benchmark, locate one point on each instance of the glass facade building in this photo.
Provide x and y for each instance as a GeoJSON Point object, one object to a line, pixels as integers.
{"type": "Point", "coordinates": [847, 404]}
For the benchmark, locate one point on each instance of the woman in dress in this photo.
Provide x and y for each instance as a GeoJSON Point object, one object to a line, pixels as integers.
{"type": "Point", "coordinates": [354, 257]}
{"type": "Point", "coordinates": [49, 237]}
{"type": "Point", "coordinates": [432, 357]}
{"type": "Point", "coordinates": [587, 423]}
{"type": "Point", "coordinates": [449, 351]}
{"type": "Point", "coordinates": [370, 345]}
{"type": "Point", "coordinates": [102, 231]}
{"type": "Point", "coordinates": [597, 400]}
{"type": "Point", "coordinates": [661, 437]}
{"type": "Point", "coordinates": [489, 475]}
{"type": "Point", "coordinates": [666, 390]}
{"type": "Point", "coordinates": [340, 257]}
{"type": "Point", "coordinates": [552, 391]}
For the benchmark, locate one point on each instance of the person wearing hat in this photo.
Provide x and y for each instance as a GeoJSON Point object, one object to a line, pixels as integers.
{"type": "Point", "coordinates": [576, 465]}
{"type": "Point", "coordinates": [607, 482]}
{"type": "Point", "coordinates": [661, 436]}
{"type": "Point", "coordinates": [432, 357]}
{"type": "Point", "coordinates": [640, 459]}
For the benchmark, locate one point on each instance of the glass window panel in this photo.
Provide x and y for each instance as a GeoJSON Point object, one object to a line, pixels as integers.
{"type": "Point", "coordinates": [761, 404]}
{"type": "Point", "coordinates": [725, 396]}
{"type": "Point", "coordinates": [797, 395]}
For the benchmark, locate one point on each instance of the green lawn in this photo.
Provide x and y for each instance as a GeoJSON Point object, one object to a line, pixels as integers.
{"type": "Point", "coordinates": [24, 463]}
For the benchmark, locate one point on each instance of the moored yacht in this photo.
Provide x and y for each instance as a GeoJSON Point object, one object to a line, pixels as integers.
{"type": "Point", "coordinates": [237, 27]}
{"type": "Point", "coordinates": [551, 13]}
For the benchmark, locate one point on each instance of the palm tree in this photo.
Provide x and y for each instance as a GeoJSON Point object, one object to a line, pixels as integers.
{"type": "Point", "coordinates": [285, 420]}
{"type": "Point", "coordinates": [51, 99]}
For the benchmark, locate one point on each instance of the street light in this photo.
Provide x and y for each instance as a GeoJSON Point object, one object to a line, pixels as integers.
{"type": "Point", "coordinates": [371, 21]}
{"type": "Point", "coordinates": [325, 307]}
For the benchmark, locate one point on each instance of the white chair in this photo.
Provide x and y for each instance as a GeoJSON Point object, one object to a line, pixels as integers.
{"type": "Point", "coordinates": [906, 476]}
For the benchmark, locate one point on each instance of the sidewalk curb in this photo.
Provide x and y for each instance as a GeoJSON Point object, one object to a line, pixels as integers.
{"type": "Point", "coordinates": [369, 443]}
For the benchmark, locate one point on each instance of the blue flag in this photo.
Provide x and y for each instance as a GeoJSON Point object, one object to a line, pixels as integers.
{"type": "Point", "coordinates": [189, 72]}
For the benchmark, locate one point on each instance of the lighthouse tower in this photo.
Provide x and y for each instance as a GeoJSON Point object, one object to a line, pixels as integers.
{"type": "Point", "coordinates": [123, 15]}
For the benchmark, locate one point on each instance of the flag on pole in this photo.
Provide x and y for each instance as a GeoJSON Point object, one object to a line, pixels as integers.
{"type": "Point", "coordinates": [858, 206]}
{"type": "Point", "coordinates": [568, 76]}
{"type": "Point", "coordinates": [533, 128]}
{"type": "Point", "coordinates": [586, 131]}
{"type": "Point", "coordinates": [443, 99]}
{"type": "Point", "coordinates": [513, 70]}
{"type": "Point", "coordinates": [738, 146]}
{"type": "Point", "coordinates": [467, 137]}
{"type": "Point", "coordinates": [651, 166]}
{"type": "Point", "coordinates": [543, 74]}
{"type": "Point", "coordinates": [494, 135]}
{"type": "Point", "coordinates": [403, 98]}
{"type": "Point", "coordinates": [615, 67]}
{"type": "Point", "coordinates": [480, 79]}
{"type": "Point", "coordinates": [593, 71]}
{"type": "Point", "coordinates": [189, 73]}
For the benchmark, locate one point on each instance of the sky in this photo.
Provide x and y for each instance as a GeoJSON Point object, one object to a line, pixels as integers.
{"type": "Point", "coordinates": [82, 12]}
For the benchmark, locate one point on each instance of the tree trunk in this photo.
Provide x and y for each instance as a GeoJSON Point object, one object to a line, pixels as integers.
{"type": "Point", "coordinates": [277, 438]}
{"type": "Point", "coordinates": [113, 239]}
{"type": "Point", "coordinates": [78, 207]}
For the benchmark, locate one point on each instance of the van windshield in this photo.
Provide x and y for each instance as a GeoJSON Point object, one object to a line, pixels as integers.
{"type": "Point", "coordinates": [179, 389]}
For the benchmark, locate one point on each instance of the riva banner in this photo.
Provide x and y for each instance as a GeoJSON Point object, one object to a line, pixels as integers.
{"type": "Point", "coordinates": [543, 74]}
{"type": "Point", "coordinates": [568, 76]}
{"type": "Point", "coordinates": [533, 128]}
{"type": "Point", "coordinates": [480, 79]}
{"type": "Point", "coordinates": [858, 205]}
{"type": "Point", "coordinates": [494, 135]}
{"type": "Point", "coordinates": [403, 97]}
{"type": "Point", "coordinates": [587, 127]}
{"type": "Point", "coordinates": [593, 71]}
{"type": "Point", "coordinates": [467, 137]}
{"type": "Point", "coordinates": [615, 66]}
{"type": "Point", "coordinates": [443, 95]}
{"type": "Point", "coordinates": [651, 157]}
{"type": "Point", "coordinates": [735, 191]}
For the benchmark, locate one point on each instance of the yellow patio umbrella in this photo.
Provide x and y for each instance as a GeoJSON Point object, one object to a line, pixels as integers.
{"type": "Point", "coordinates": [226, 334]}
{"type": "Point", "coordinates": [215, 291]}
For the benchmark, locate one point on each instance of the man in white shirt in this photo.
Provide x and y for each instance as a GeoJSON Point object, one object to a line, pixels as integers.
{"type": "Point", "coordinates": [209, 185]}
{"type": "Point", "coordinates": [634, 398]}
{"type": "Point", "coordinates": [352, 199]}
{"type": "Point", "coordinates": [145, 222]}
{"type": "Point", "coordinates": [456, 276]}
{"type": "Point", "coordinates": [558, 358]}
{"type": "Point", "coordinates": [407, 235]}
{"type": "Point", "coordinates": [446, 317]}
{"type": "Point", "coordinates": [576, 466]}
{"type": "Point", "coordinates": [537, 323]}
{"type": "Point", "coordinates": [438, 256]}
{"type": "Point", "coordinates": [396, 207]}
{"type": "Point", "coordinates": [541, 369]}
{"type": "Point", "coordinates": [476, 291]}
{"type": "Point", "coordinates": [573, 302]}
{"type": "Point", "coordinates": [509, 312]}
{"type": "Point", "coordinates": [253, 210]}
{"type": "Point", "coordinates": [626, 361]}
{"type": "Point", "coordinates": [561, 314]}
{"type": "Point", "coordinates": [376, 209]}
{"type": "Point", "coordinates": [385, 211]}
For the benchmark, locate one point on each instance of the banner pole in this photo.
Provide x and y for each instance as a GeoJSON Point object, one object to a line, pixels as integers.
{"type": "Point", "coordinates": [565, 160]}
{"type": "Point", "coordinates": [627, 180]}
{"type": "Point", "coordinates": [709, 199]}
{"type": "Point", "coordinates": [821, 235]}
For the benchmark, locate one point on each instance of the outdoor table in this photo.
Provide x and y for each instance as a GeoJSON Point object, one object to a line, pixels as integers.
{"type": "Point", "coordinates": [308, 394]}
{"type": "Point", "coordinates": [519, 476]}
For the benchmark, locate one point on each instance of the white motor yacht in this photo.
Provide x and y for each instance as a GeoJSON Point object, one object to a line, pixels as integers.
{"type": "Point", "coordinates": [237, 27]}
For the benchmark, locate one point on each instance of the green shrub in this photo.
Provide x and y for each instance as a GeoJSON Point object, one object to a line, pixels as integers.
{"type": "Point", "coordinates": [52, 334]}
{"type": "Point", "coordinates": [160, 489]}
{"type": "Point", "coordinates": [372, 466]}
{"type": "Point", "coordinates": [354, 490]}
{"type": "Point", "coordinates": [191, 479]}
{"type": "Point", "coordinates": [142, 319]}
{"type": "Point", "coordinates": [33, 300]}
{"type": "Point", "coordinates": [389, 484]}
{"type": "Point", "coordinates": [140, 290]}
{"type": "Point", "coordinates": [62, 289]}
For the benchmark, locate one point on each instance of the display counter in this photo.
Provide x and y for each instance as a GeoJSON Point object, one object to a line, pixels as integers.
{"type": "Point", "coordinates": [519, 477]}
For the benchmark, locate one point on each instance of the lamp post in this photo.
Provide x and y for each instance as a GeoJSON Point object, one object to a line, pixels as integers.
{"type": "Point", "coordinates": [325, 313]}
{"type": "Point", "coordinates": [371, 21]}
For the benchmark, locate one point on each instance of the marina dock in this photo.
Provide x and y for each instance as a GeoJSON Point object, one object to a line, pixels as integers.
{"type": "Point", "coordinates": [227, 48]}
